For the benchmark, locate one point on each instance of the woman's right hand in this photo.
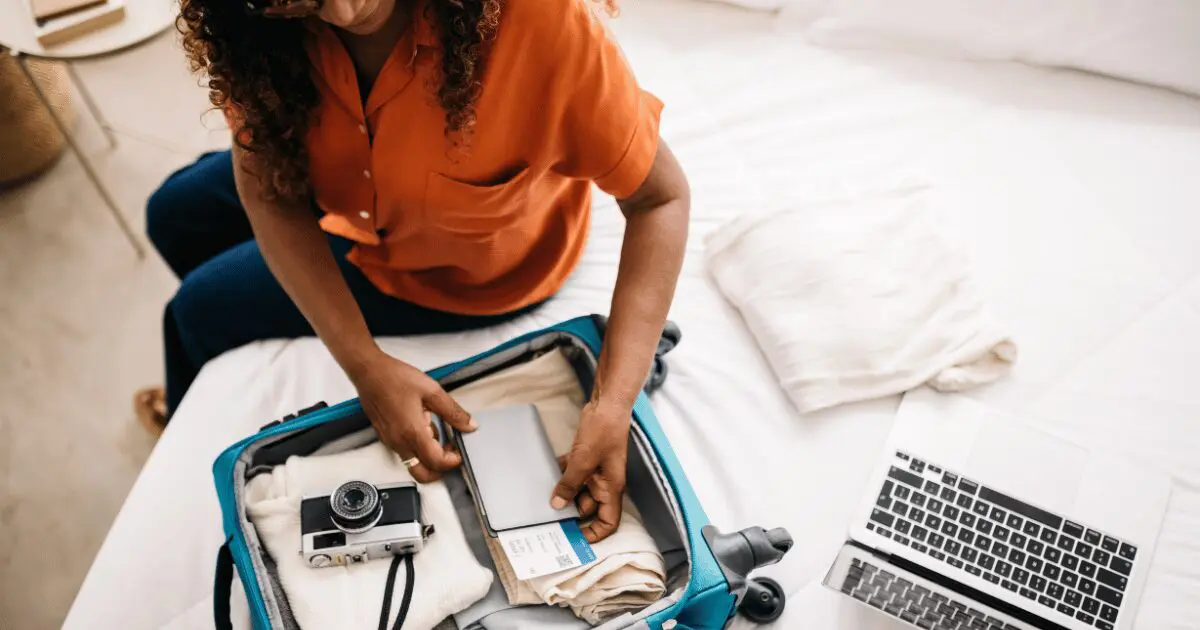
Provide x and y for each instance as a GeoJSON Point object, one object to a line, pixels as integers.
{"type": "Point", "coordinates": [398, 399]}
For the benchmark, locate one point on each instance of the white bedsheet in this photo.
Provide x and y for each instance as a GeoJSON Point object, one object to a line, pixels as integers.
{"type": "Point", "coordinates": [1078, 196]}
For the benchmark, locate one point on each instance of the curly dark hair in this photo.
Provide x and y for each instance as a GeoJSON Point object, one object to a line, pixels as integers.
{"type": "Point", "coordinates": [260, 69]}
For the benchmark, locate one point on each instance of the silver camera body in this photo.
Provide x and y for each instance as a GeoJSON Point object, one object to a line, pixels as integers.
{"type": "Point", "coordinates": [359, 522]}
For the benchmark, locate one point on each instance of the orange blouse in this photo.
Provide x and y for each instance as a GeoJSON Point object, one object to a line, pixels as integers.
{"type": "Point", "coordinates": [499, 224]}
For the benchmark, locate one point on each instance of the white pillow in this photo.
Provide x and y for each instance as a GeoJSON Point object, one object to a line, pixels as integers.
{"type": "Point", "coordinates": [1150, 41]}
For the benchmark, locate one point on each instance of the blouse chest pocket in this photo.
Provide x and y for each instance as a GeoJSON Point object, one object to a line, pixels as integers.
{"type": "Point", "coordinates": [470, 210]}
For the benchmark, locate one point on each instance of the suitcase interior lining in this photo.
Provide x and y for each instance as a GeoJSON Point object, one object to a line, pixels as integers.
{"type": "Point", "coordinates": [647, 486]}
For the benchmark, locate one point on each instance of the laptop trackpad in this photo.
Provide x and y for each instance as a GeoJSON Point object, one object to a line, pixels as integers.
{"type": "Point", "coordinates": [1028, 464]}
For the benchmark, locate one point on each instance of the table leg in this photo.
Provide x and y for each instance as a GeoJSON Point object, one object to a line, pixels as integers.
{"type": "Point", "coordinates": [91, 105]}
{"type": "Point", "coordinates": [87, 166]}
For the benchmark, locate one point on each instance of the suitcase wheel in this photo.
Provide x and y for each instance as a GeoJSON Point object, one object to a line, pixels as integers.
{"type": "Point", "coordinates": [764, 600]}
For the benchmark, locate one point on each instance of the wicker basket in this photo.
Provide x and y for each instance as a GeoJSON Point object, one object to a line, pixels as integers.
{"type": "Point", "coordinates": [29, 140]}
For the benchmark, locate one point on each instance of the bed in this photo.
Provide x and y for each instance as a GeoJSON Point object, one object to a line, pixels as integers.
{"type": "Point", "coordinates": [1077, 194]}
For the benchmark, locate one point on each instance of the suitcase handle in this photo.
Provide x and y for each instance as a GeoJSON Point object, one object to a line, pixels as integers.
{"type": "Point", "coordinates": [223, 588]}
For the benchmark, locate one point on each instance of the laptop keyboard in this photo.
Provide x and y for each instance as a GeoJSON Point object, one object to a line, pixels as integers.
{"type": "Point", "coordinates": [1024, 549]}
{"type": "Point", "coordinates": [913, 603]}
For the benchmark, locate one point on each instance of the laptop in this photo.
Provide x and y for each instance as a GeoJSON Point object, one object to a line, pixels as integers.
{"type": "Point", "coordinates": [974, 520]}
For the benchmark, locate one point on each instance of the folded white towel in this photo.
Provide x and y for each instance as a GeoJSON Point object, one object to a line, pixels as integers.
{"type": "Point", "coordinates": [448, 579]}
{"type": "Point", "coordinates": [629, 573]}
{"type": "Point", "coordinates": [859, 298]}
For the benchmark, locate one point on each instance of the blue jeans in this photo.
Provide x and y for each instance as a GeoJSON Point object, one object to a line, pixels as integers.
{"type": "Point", "coordinates": [228, 297]}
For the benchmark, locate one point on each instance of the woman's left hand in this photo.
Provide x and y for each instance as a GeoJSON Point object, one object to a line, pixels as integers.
{"type": "Point", "coordinates": [597, 460]}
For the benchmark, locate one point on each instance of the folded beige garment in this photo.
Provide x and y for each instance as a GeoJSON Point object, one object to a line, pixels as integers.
{"type": "Point", "coordinates": [629, 573]}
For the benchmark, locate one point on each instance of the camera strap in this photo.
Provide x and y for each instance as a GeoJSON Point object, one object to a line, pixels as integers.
{"type": "Point", "coordinates": [406, 600]}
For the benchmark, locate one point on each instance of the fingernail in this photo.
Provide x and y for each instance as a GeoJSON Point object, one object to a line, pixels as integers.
{"type": "Point", "coordinates": [558, 503]}
{"type": "Point", "coordinates": [471, 424]}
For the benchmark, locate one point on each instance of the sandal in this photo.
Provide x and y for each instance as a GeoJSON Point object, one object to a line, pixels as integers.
{"type": "Point", "coordinates": [150, 406]}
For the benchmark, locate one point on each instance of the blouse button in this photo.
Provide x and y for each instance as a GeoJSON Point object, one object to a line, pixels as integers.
{"type": "Point", "coordinates": [367, 174]}
{"type": "Point", "coordinates": [364, 214]}
{"type": "Point", "coordinates": [362, 129]}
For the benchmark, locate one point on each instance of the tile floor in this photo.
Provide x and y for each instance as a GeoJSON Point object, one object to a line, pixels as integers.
{"type": "Point", "coordinates": [80, 329]}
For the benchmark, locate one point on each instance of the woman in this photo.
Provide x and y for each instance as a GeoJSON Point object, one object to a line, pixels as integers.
{"type": "Point", "coordinates": [416, 166]}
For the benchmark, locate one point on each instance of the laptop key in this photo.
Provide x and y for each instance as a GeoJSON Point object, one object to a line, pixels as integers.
{"type": "Point", "coordinates": [1066, 543]}
{"type": "Point", "coordinates": [916, 514]}
{"type": "Point", "coordinates": [903, 476]}
{"type": "Point", "coordinates": [1027, 593]}
{"type": "Point", "coordinates": [1034, 564]}
{"type": "Point", "coordinates": [900, 508]}
{"type": "Point", "coordinates": [964, 501]}
{"type": "Point", "coordinates": [1091, 606]}
{"type": "Point", "coordinates": [1092, 537]}
{"type": "Point", "coordinates": [1074, 529]}
{"type": "Point", "coordinates": [1045, 601]}
{"type": "Point", "coordinates": [1084, 617]}
{"type": "Point", "coordinates": [969, 554]}
{"type": "Point", "coordinates": [1031, 529]}
{"type": "Point", "coordinates": [919, 547]}
{"type": "Point", "coordinates": [1048, 536]}
{"type": "Point", "coordinates": [1101, 557]}
{"type": "Point", "coordinates": [1083, 550]}
{"type": "Point", "coordinates": [1106, 577]}
{"type": "Point", "coordinates": [1122, 566]}
{"type": "Point", "coordinates": [1035, 547]}
{"type": "Point", "coordinates": [1000, 533]}
{"type": "Point", "coordinates": [916, 466]}
{"type": "Point", "coordinates": [987, 562]}
{"type": "Point", "coordinates": [1038, 583]}
{"type": "Point", "coordinates": [1108, 613]}
{"type": "Point", "coordinates": [974, 570]}
{"type": "Point", "coordinates": [953, 547]}
{"type": "Point", "coordinates": [1128, 551]}
{"type": "Point", "coordinates": [950, 479]}
{"type": "Point", "coordinates": [902, 492]}
{"type": "Point", "coordinates": [984, 527]}
{"type": "Point", "coordinates": [883, 518]}
{"type": "Point", "coordinates": [1020, 507]}
{"type": "Point", "coordinates": [997, 514]}
{"type": "Point", "coordinates": [992, 577]}
{"type": "Point", "coordinates": [1014, 521]}
{"type": "Point", "coordinates": [1056, 590]}
{"type": "Point", "coordinates": [1109, 596]}
{"type": "Point", "coordinates": [949, 528]}
{"type": "Point", "coordinates": [948, 494]}
{"type": "Point", "coordinates": [1087, 586]}
{"type": "Point", "coordinates": [1071, 562]}
{"type": "Point", "coordinates": [1051, 571]}
{"type": "Point", "coordinates": [968, 486]}
{"type": "Point", "coordinates": [935, 506]}
{"type": "Point", "coordinates": [1074, 599]}
{"type": "Point", "coordinates": [932, 521]}
{"type": "Point", "coordinates": [980, 508]}
{"type": "Point", "coordinates": [1016, 556]}
{"type": "Point", "coordinates": [1110, 544]}
{"type": "Point", "coordinates": [951, 513]}
{"type": "Point", "coordinates": [1087, 569]}
{"type": "Point", "coordinates": [1070, 579]}
{"type": "Point", "coordinates": [1011, 586]}
{"type": "Point", "coordinates": [1020, 576]}
{"type": "Point", "coordinates": [1053, 554]}
{"type": "Point", "coordinates": [937, 554]}
{"type": "Point", "coordinates": [904, 527]}
{"type": "Point", "coordinates": [931, 487]}
{"type": "Point", "coordinates": [903, 540]}
{"type": "Point", "coordinates": [967, 519]}
{"type": "Point", "coordinates": [918, 499]}
{"type": "Point", "coordinates": [1104, 625]}
{"type": "Point", "coordinates": [999, 549]}
{"type": "Point", "coordinates": [1004, 569]}
{"type": "Point", "coordinates": [920, 533]}
{"type": "Point", "coordinates": [954, 562]}
{"type": "Point", "coordinates": [936, 540]}
{"type": "Point", "coordinates": [966, 536]}
{"type": "Point", "coordinates": [1066, 610]}
{"type": "Point", "coordinates": [983, 543]}
{"type": "Point", "coordinates": [1017, 539]}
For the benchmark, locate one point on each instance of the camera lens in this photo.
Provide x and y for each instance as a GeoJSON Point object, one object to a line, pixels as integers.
{"type": "Point", "coordinates": [356, 507]}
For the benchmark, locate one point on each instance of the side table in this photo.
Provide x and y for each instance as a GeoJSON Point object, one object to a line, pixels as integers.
{"type": "Point", "coordinates": [144, 20]}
